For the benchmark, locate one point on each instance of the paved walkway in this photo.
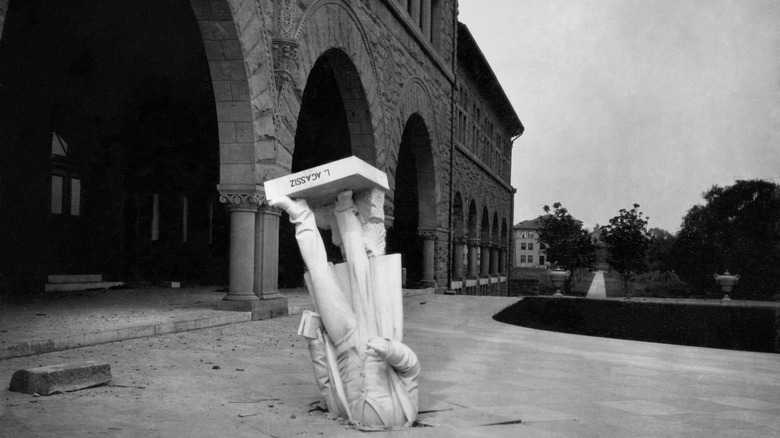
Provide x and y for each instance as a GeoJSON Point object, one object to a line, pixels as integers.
{"type": "Point", "coordinates": [597, 287]}
{"type": "Point", "coordinates": [480, 378]}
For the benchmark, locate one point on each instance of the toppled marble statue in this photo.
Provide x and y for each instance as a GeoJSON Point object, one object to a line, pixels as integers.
{"type": "Point", "coordinates": [364, 371]}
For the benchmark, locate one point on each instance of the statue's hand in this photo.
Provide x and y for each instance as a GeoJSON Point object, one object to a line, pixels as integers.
{"type": "Point", "coordinates": [284, 202]}
{"type": "Point", "coordinates": [378, 347]}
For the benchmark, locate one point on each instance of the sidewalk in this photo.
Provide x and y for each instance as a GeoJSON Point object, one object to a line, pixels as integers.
{"type": "Point", "coordinates": [479, 378]}
{"type": "Point", "coordinates": [59, 321]}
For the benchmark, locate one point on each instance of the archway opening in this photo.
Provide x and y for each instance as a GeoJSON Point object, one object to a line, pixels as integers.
{"type": "Point", "coordinates": [414, 204]}
{"type": "Point", "coordinates": [117, 116]}
{"type": "Point", "coordinates": [459, 252]}
{"type": "Point", "coordinates": [473, 221]}
{"type": "Point", "coordinates": [484, 249]}
{"type": "Point", "coordinates": [334, 122]}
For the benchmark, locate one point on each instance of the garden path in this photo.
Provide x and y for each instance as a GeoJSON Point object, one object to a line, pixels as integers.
{"type": "Point", "coordinates": [597, 287]}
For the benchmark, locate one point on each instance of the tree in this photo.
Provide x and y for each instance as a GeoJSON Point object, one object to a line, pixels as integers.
{"type": "Point", "coordinates": [659, 251]}
{"type": "Point", "coordinates": [567, 244]}
{"type": "Point", "coordinates": [736, 230]}
{"type": "Point", "coordinates": [627, 242]}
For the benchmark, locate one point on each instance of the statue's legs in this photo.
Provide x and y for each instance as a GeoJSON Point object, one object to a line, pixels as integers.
{"type": "Point", "coordinates": [335, 311]}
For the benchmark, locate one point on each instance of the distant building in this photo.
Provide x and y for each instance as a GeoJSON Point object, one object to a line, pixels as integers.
{"type": "Point", "coordinates": [528, 251]}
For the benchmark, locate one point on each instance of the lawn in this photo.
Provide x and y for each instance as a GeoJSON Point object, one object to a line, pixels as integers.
{"type": "Point", "coordinates": [613, 284]}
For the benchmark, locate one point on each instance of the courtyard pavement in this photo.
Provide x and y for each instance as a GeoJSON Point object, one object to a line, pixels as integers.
{"type": "Point", "coordinates": [480, 378]}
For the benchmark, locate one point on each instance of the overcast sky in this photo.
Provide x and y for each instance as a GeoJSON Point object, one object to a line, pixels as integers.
{"type": "Point", "coordinates": [634, 101]}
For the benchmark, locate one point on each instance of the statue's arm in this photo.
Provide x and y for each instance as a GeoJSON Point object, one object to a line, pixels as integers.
{"type": "Point", "coordinates": [319, 361]}
{"type": "Point", "coordinates": [397, 355]}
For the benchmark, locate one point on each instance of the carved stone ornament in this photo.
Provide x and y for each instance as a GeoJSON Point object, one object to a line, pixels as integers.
{"type": "Point", "coordinates": [428, 234]}
{"type": "Point", "coordinates": [284, 11]}
{"type": "Point", "coordinates": [460, 240]}
{"type": "Point", "coordinates": [242, 201]}
{"type": "Point", "coordinates": [474, 241]}
{"type": "Point", "coordinates": [267, 209]}
{"type": "Point", "coordinates": [285, 52]}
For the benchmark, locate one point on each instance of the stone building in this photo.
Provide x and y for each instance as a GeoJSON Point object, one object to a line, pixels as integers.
{"type": "Point", "coordinates": [257, 89]}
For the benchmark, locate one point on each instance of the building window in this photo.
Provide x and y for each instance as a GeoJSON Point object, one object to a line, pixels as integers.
{"type": "Point", "coordinates": [530, 259]}
{"type": "Point", "coordinates": [522, 259]}
{"type": "Point", "coordinates": [65, 181]}
{"type": "Point", "coordinates": [531, 246]}
{"type": "Point", "coordinates": [531, 234]}
{"type": "Point", "coordinates": [522, 246]}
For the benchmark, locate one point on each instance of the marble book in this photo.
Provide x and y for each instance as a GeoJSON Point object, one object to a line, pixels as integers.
{"type": "Point", "coordinates": [320, 185]}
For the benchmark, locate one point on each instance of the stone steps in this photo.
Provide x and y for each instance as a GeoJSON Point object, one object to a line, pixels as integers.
{"type": "Point", "coordinates": [67, 283]}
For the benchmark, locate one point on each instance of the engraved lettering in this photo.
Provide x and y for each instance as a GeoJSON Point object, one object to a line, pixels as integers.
{"type": "Point", "coordinates": [307, 178]}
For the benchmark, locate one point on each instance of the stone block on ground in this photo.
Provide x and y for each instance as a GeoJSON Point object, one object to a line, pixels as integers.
{"type": "Point", "coordinates": [261, 309]}
{"type": "Point", "coordinates": [54, 379]}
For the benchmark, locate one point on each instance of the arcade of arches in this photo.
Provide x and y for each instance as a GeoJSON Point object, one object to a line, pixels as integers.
{"type": "Point", "coordinates": [149, 166]}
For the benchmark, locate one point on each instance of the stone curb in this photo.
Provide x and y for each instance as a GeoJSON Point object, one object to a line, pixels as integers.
{"type": "Point", "coordinates": [30, 348]}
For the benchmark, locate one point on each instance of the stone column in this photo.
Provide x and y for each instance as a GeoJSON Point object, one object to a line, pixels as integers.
{"type": "Point", "coordinates": [426, 19]}
{"type": "Point", "coordinates": [266, 284]}
{"type": "Point", "coordinates": [484, 259]}
{"type": "Point", "coordinates": [473, 248]}
{"type": "Point", "coordinates": [494, 259]}
{"type": "Point", "coordinates": [457, 257]}
{"type": "Point", "coordinates": [243, 208]}
{"type": "Point", "coordinates": [429, 256]}
{"type": "Point", "coordinates": [266, 269]}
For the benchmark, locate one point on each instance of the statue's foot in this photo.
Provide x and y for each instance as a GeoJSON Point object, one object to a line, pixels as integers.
{"type": "Point", "coordinates": [295, 208]}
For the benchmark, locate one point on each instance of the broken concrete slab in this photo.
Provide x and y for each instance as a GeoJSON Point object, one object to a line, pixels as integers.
{"type": "Point", "coordinates": [54, 379]}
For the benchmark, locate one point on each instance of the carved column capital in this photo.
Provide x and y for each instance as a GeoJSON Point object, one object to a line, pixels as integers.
{"type": "Point", "coordinates": [267, 209]}
{"type": "Point", "coordinates": [428, 233]}
{"type": "Point", "coordinates": [459, 240]}
{"type": "Point", "coordinates": [242, 201]}
{"type": "Point", "coordinates": [285, 56]}
{"type": "Point", "coordinates": [474, 241]}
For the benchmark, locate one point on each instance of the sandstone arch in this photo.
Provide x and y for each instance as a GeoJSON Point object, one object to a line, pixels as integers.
{"type": "Point", "coordinates": [330, 24]}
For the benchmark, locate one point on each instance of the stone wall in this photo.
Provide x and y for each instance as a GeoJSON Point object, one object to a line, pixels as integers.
{"type": "Point", "coordinates": [475, 184]}
{"type": "Point", "coordinates": [402, 75]}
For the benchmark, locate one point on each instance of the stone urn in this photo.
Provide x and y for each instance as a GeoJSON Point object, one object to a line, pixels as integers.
{"type": "Point", "coordinates": [726, 282]}
{"type": "Point", "coordinates": [558, 278]}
